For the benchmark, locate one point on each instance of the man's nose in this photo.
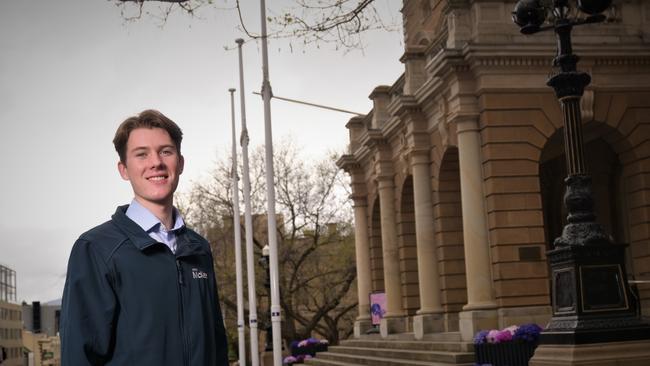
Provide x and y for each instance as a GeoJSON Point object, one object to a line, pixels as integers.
{"type": "Point", "coordinates": [155, 161]}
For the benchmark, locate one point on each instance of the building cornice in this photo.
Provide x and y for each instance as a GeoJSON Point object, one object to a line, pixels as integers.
{"type": "Point", "coordinates": [348, 163]}
{"type": "Point", "coordinates": [380, 89]}
{"type": "Point", "coordinates": [542, 55]}
{"type": "Point", "coordinates": [403, 105]}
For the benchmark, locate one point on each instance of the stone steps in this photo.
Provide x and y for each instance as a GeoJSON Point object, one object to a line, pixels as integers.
{"type": "Point", "coordinates": [448, 346]}
{"type": "Point", "coordinates": [444, 349]}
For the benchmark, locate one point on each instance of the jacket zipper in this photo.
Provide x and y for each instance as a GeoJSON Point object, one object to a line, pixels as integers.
{"type": "Point", "coordinates": [181, 310]}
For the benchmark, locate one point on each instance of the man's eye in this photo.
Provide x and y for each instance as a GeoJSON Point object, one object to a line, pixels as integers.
{"type": "Point", "coordinates": [140, 155]}
{"type": "Point", "coordinates": [166, 152]}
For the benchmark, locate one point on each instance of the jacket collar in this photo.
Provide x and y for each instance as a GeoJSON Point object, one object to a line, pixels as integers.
{"type": "Point", "coordinates": [136, 234]}
{"type": "Point", "coordinates": [187, 244]}
{"type": "Point", "coordinates": [147, 221]}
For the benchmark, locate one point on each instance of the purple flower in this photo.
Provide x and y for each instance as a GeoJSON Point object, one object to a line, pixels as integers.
{"type": "Point", "coordinates": [289, 360]}
{"type": "Point", "coordinates": [502, 336]}
{"type": "Point", "coordinates": [491, 337]}
{"type": "Point", "coordinates": [479, 338]}
{"type": "Point", "coordinates": [527, 333]}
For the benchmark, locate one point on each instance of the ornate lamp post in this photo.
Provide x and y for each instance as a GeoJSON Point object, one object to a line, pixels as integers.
{"type": "Point", "coordinates": [591, 299]}
{"type": "Point", "coordinates": [264, 262]}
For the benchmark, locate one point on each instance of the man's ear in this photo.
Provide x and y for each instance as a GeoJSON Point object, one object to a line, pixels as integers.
{"type": "Point", "coordinates": [121, 167]}
{"type": "Point", "coordinates": [181, 165]}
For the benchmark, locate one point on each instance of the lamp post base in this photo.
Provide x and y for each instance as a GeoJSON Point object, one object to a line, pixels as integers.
{"type": "Point", "coordinates": [591, 297]}
{"type": "Point", "coordinates": [602, 354]}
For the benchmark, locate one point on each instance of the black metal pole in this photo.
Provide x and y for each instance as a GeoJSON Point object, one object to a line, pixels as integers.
{"type": "Point", "coordinates": [591, 300]}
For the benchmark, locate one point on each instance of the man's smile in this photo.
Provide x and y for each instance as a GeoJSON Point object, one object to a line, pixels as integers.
{"type": "Point", "coordinates": [157, 178]}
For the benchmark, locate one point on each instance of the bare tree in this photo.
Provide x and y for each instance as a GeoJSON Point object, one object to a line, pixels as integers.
{"type": "Point", "coordinates": [315, 240]}
{"type": "Point", "coordinates": [341, 22]}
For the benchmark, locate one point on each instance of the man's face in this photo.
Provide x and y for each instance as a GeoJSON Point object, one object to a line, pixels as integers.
{"type": "Point", "coordinates": [152, 165]}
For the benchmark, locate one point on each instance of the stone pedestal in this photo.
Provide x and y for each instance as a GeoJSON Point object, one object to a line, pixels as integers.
{"type": "Point", "coordinates": [635, 353]}
{"type": "Point", "coordinates": [591, 301]}
{"type": "Point", "coordinates": [451, 322]}
{"type": "Point", "coordinates": [266, 358]}
{"type": "Point", "coordinates": [472, 321]}
{"type": "Point", "coordinates": [393, 325]}
{"type": "Point", "coordinates": [361, 326]}
{"type": "Point", "coordinates": [427, 323]}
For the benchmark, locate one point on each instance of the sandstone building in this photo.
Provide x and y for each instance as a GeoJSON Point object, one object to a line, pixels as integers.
{"type": "Point", "coordinates": [457, 171]}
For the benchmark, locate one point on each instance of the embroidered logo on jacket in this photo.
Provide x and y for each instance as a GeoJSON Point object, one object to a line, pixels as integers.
{"type": "Point", "coordinates": [197, 274]}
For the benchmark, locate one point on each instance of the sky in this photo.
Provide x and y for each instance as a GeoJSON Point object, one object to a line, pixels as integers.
{"type": "Point", "coordinates": [72, 70]}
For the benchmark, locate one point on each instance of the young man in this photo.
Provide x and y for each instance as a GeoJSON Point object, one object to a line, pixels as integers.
{"type": "Point", "coordinates": [140, 288]}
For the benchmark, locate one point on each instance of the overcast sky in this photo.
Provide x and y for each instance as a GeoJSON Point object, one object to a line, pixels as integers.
{"type": "Point", "coordinates": [72, 70]}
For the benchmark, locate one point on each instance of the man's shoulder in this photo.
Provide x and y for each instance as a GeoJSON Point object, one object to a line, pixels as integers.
{"type": "Point", "coordinates": [104, 237]}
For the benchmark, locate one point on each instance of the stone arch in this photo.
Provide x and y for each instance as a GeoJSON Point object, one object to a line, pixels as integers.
{"type": "Point", "coordinates": [408, 248]}
{"type": "Point", "coordinates": [605, 168]}
{"type": "Point", "coordinates": [376, 255]}
{"type": "Point", "coordinates": [448, 228]}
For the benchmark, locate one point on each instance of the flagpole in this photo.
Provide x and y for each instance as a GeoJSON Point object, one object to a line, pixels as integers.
{"type": "Point", "coordinates": [276, 316]}
{"type": "Point", "coordinates": [237, 230]}
{"type": "Point", "coordinates": [250, 264]}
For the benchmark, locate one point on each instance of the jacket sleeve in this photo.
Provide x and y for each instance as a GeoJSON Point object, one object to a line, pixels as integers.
{"type": "Point", "coordinates": [88, 309]}
{"type": "Point", "coordinates": [219, 329]}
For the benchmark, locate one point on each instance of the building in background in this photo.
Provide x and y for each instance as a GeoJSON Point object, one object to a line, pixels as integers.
{"type": "Point", "coordinates": [42, 317]}
{"type": "Point", "coordinates": [41, 341]}
{"type": "Point", "coordinates": [10, 318]}
{"type": "Point", "coordinates": [457, 171]}
{"type": "Point", "coordinates": [41, 349]}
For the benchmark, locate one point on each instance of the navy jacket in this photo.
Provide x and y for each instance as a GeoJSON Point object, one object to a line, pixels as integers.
{"type": "Point", "coordinates": [128, 300]}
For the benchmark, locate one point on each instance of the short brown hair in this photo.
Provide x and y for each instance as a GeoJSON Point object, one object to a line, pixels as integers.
{"type": "Point", "coordinates": [149, 118]}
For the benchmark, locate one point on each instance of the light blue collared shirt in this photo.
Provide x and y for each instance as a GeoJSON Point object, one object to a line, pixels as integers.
{"type": "Point", "coordinates": [152, 226]}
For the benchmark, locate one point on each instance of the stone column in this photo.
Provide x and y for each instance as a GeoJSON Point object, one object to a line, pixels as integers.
{"type": "Point", "coordinates": [429, 317]}
{"type": "Point", "coordinates": [394, 320]}
{"type": "Point", "coordinates": [362, 323]}
{"type": "Point", "coordinates": [359, 196]}
{"type": "Point", "coordinates": [479, 312]}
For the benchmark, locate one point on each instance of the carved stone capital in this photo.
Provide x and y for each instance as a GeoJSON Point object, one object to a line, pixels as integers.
{"type": "Point", "coordinates": [348, 163]}
{"type": "Point", "coordinates": [419, 157]}
{"type": "Point", "coordinates": [359, 201]}
{"type": "Point", "coordinates": [465, 123]}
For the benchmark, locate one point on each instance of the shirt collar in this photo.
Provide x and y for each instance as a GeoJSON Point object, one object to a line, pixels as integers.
{"type": "Point", "coordinates": [148, 221]}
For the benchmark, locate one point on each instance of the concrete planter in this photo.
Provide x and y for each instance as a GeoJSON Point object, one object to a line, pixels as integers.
{"type": "Point", "coordinates": [504, 354]}
{"type": "Point", "coordinates": [309, 349]}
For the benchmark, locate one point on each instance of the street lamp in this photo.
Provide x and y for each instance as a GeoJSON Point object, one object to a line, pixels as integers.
{"type": "Point", "coordinates": [591, 301]}
{"type": "Point", "coordinates": [264, 262]}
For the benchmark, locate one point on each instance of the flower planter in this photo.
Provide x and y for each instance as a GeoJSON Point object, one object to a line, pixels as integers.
{"type": "Point", "coordinates": [309, 349]}
{"type": "Point", "coordinates": [504, 354]}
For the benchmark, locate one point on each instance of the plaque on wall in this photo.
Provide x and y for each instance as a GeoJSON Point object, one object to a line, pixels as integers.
{"type": "Point", "coordinates": [603, 288]}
